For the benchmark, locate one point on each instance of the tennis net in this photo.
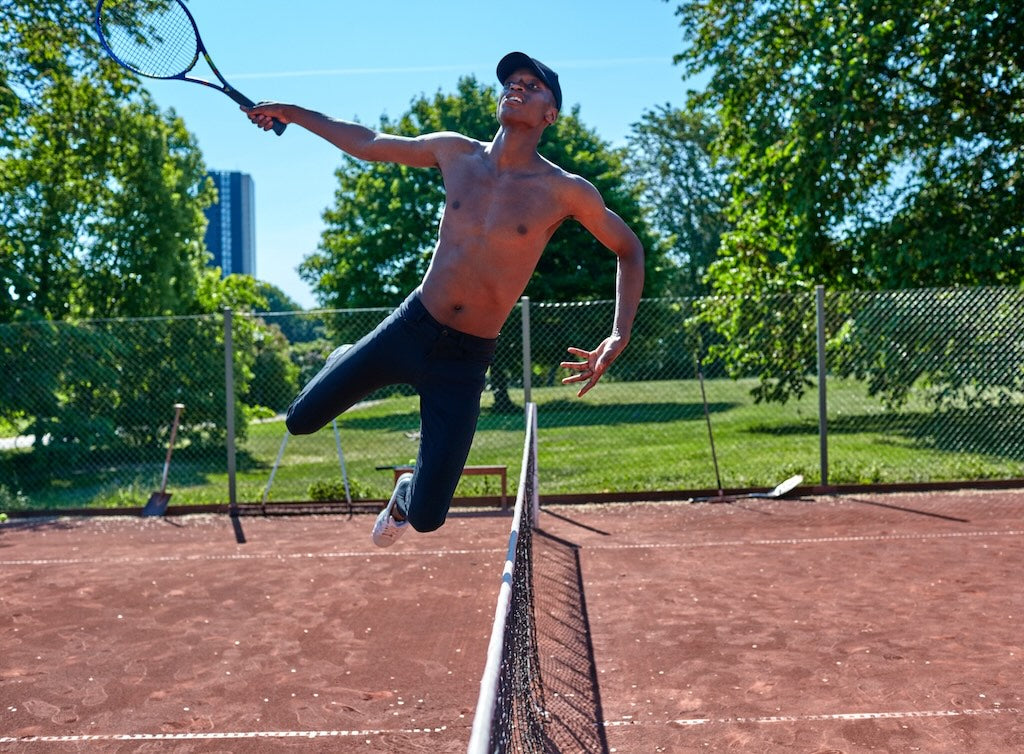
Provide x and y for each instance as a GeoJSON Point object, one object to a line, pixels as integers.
{"type": "Point", "coordinates": [510, 713]}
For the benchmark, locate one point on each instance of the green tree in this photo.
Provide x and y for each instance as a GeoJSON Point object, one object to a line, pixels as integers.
{"type": "Point", "coordinates": [102, 196]}
{"type": "Point", "coordinates": [287, 314]}
{"type": "Point", "coordinates": [101, 217]}
{"type": "Point", "coordinates": [277, 299]}
{"type": "Point", "coordinates": [275, 378]}
{"type": "Point", "coordinates": [683, 187]}
{"type": "Point", "coordinates": [871, 144]}
{"type": "Point", "coordinates": [109, 208]}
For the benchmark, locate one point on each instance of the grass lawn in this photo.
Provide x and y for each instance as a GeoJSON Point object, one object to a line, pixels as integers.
{"type": "Point", "coordinates": [620, 437]}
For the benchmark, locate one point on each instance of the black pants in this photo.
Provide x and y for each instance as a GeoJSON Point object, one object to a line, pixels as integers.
{"type": "Point", "coordinates": [446, 367]}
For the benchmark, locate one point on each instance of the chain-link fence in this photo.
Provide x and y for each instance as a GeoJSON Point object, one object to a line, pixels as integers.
{"type": "Point", "coordinates": [923, 385]}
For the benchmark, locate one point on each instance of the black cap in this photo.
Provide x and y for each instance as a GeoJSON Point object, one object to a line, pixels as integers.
{"type": "Point", "coordinates": [516, 60]}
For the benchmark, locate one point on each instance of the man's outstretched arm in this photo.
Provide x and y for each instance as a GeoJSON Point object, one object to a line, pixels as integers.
{"type": "Point", "coordinates": [612, 231]}
{"type": "Point", "coordinates": [352, 138]}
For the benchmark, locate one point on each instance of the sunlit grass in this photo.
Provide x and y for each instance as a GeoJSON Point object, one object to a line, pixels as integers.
{"type": "Point", "coordinates": [621, 437]}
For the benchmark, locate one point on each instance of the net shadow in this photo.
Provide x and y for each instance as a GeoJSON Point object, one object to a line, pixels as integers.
{"type": "Point", "coordinates": [572, 696]}
{"type": "Point", "coordinates": [878, 504]}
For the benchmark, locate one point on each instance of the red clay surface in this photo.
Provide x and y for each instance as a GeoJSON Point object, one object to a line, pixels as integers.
{"type": "Point", "coordinates": [887, 623]}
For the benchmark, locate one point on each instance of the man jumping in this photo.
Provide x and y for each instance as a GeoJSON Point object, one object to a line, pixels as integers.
{"type": "Point", "coordinates": [503, 203]}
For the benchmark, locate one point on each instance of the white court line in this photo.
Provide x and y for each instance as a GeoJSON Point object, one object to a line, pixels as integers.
{"type": "Point", "coordinates": [495, 551]}
{"type": "Point", "coordinates": [808, 540]}
{"type": "Point", "coordinates": [235, 735]}
{"type": "Point", "coordinates": [685, 722]}
{"type": "Point", "coordinates": [252, 556]}
{"type": "Point", "coordinates": [839, 716]}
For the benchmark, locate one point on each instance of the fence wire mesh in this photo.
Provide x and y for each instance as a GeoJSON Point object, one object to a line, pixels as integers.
{"type": "Point", "coordinates": [933, 379]}
{"type": "Point", "coordinates": [920, 385]}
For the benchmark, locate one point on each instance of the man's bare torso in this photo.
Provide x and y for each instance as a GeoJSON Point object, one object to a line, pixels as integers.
{"type": "Point", "coordinates": [495, 226]}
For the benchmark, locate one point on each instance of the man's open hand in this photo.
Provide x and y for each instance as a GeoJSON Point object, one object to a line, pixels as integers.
{"type": "Point", "coordinates": [593, 364]}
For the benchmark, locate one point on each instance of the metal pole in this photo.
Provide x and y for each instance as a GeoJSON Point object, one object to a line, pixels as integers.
{"type": "Point", "coordinates": [819, 295]}
{"type": "Point", "coordinates": [273, 470]}
{"type": "Point", "coordinates": [534, 501]}
{"type": "Point", "coordinates": [229, 405]}
{"type": "Point", "coordinates": [527, 355]}
{"type": "Point", "coordinates": [707, 419]}
{"type": "Point", "coordinates": [341, 462]}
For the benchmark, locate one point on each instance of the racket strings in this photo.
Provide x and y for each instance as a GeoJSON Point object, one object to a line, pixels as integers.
{"type": "Point", "coordinates": [158, 41]}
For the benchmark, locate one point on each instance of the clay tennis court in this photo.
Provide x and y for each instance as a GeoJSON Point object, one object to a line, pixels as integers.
{"type": "Point", "coordinates": [862, 622]}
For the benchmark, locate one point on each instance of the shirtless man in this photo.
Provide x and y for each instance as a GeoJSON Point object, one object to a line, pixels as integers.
{"type": "Point", "coordinates": [503, 203]}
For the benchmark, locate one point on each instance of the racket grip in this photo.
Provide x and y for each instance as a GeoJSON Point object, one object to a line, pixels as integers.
{"type": "Point", "coordinates": [241, 99]}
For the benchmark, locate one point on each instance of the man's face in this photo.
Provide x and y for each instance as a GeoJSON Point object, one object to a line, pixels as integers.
{"type": "Point", "coordinates": [524, 97]}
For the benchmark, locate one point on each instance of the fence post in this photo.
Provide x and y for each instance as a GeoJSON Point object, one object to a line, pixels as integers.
{"type": "Point", "coordinates": [229, 404]}
{"type": "Point", "coordinates": [527, 355]}
{"type": "Point", "coordinates": [819, 296]}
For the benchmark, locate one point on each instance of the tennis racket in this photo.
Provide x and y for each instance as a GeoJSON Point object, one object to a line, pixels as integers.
{"type": "Point", "coordinates": [159, 39]}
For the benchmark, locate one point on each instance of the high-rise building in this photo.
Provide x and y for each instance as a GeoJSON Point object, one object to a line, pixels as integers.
{"type": "Point", "coordinates": [231, 232]}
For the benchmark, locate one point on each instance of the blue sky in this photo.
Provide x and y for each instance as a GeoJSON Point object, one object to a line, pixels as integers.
{"type": "Point", "coordinates": [358, 61]}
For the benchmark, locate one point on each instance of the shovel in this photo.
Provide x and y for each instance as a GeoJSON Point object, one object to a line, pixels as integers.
{"type": "Point", "coordinates": [157, 503]}
{"type": "Point", "coordinates": [781, 490]}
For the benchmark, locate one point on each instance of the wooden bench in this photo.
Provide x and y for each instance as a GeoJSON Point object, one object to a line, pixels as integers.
{"type": "Point", "coordinates": [501, 471]}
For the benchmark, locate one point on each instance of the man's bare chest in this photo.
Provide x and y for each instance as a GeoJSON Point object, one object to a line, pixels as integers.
{"type": "Point", "coordinates": [505, 205]}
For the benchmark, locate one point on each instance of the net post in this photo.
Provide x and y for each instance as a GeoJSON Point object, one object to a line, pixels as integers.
{"type": "Point", "coordinates": [229, 406]}
{"type": "Point", "coordinates": [341, 462]}
{"type": "Point", "coordinates": [819, 301]}
{"type": "Point", "coordinates": [527, 352]}
{"type": "Point", "coordinates": [534, 502]}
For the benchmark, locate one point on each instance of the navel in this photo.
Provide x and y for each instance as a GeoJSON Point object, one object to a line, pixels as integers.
{"type": "Point", "coordinates": [521, 230]}
{"type": "Point", "coordinates": [456, 204]}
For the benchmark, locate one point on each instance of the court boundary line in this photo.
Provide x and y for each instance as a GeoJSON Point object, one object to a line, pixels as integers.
{"type": "Point", "coordinates": [824, 717]}
{"type": "Point", "coordinates": [497, 551]}
{"type": "Point", "coordinates": [681, 723]}
{"type": "Point", "coordinates": [130, 559]}
{"type": "Point", "coordinates": [807, 540]}
{"type": "Point", "coordinates": [212, 736]}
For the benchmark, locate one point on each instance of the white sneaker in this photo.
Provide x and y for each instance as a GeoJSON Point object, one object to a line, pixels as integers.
{"type": "Point", "coordinates": [386, 530]}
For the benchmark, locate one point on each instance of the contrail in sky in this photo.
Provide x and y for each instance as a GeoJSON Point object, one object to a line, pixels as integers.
{"type": "Point", "coordinates": [592, 63]}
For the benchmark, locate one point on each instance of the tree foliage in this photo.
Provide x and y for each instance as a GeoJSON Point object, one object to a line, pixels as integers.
{"type": "Point", "coordinates": [683, 188]}
{"type": "Point", "coordinates": [287, 314]}
{"type": "Point", "coordinates": [872, 145]}
{"type": "Point", "coordinates": [962, 346]}
{"type": "Point", "coordinates": [101, 219]}
{"type": "Point", "coordinates": [883, 142]}
{"type": "Point", "coordinates": [102, 195]}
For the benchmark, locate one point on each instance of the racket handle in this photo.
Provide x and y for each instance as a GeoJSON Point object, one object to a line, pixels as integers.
{"type": "Point", "coordinates": [244, 101]}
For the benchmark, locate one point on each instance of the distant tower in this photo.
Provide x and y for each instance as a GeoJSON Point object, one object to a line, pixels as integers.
{"type": "Point", "coordinates": [231, 232]}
